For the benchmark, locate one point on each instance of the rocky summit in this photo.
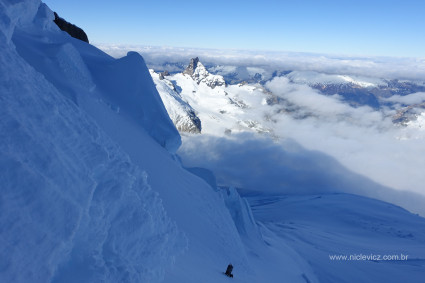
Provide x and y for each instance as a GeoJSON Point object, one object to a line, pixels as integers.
{"type": "Point", "coordinates": [199, 73]}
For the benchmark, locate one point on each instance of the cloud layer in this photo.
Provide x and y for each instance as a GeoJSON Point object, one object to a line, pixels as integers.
{"type": "Point", "coordinates": [380, 67]}
{"type": "Point", "coordinates": [361, 138]}
{"type": "Point", "coordinates": [260, 165]}
{"type": "Point", "coordinates": [414, 98]}
{"type": "Point", "coordinates": [323, 144]}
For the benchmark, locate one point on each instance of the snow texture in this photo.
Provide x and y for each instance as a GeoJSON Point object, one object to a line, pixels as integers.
{"type": "Point", "coordinates": [65, 183]}
{"type": "Point", "coordinates": [92, 192]}
{"type": "Point", "coordinates": [324, 225]}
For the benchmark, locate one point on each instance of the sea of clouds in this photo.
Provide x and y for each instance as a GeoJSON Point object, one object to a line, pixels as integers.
{"type": "Point", "coordinates": [324, 145]}
{"type": "Point", "coordinates": [380, 67]}
{"type": "Point", "coordinates": [320, 144]}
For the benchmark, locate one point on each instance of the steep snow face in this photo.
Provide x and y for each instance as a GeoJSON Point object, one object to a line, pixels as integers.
{"type": "Point", "coordinates": [20, 12]}
{"type": "Point", "coordinates": [64, 186]}
{"type": "Point", "coordinates": [120, 84]}
{"type": "Point", "coordinates": [82, 156]}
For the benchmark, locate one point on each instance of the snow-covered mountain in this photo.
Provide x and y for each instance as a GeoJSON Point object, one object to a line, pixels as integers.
{"type": "Point", "coordinates": [248, 94]}
{"type": "Point", "coordinates": [92, 189]}
{"type": "Point", "coordinates": [199, 74]}
{"type": "Point", "coordinates": [219, 107]}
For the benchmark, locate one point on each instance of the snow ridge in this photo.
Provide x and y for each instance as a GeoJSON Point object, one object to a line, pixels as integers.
{"type": "Point", "coordinates": [64, 181]}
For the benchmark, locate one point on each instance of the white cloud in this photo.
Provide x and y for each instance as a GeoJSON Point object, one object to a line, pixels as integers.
{"type": "Point", "coordinates": [261, 165]}
{"type": "Point", "coordinates": [362, 139]}
{"type": "Point", "coordinates": [330, 109]}
{"type": "Point", "coordinates": [414, 98]}
{"type": "Point", "coordinates": [332, 146]}
{"type": "Point", "coordinates": [379, 67]}
{"type": "Point", "coordinates": [335, 141]}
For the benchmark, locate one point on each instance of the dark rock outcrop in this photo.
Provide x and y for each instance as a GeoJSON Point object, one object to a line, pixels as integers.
{"type": "Point", "coordinates": [71, 29]}
{"type": "Point", "coordinates": [162, 75]}
{"type": "Point", "coordinates": [192, 66]}
{"type": "Point", "coordinates": [193, 127]}
{"type": "Point", "coordinates": [408, 113]}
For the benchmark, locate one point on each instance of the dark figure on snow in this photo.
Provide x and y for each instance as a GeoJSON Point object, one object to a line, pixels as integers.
{"type": "Point", "coordinates": [229, 270]}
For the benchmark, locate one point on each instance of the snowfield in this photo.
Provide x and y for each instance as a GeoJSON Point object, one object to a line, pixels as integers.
{"type": "Point", "coordinates": [92, 189]}
{"type": "Point", "coordinates": [343, 237]}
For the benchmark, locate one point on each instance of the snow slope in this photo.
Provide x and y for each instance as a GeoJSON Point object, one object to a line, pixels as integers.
{"type": "Point", "coordinates": [385, 242]}
{"type": "Point", "coordinates": [90, 191]}
{"type": "Point", "coordinates": [65, 183]}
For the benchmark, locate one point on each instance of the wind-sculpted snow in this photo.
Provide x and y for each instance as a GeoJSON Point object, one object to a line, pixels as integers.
{"type": "Point", "coordinates": [64, 186]}
{"type": "Point", "coordinates": [84, 151]}
{"type": "Point", "coordinates": [127, 85]}
{"type": "Point", "coordinates": [73, 207]}
{"type": "Point", "coordinates": [242, 215]}
{"type": "Point", "coordinates": [76, 67]}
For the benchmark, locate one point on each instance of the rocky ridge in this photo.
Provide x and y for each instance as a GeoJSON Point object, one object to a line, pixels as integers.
{"type": "Point", "coordinates": [199, 73]}
{"type": "Point", "coordinates": [71, 29]}
{"type": "Point", "coordinates": [181, 113]}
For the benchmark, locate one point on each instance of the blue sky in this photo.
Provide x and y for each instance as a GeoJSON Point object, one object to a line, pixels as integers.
{"type": "Point", "coordinates": [372, 28]}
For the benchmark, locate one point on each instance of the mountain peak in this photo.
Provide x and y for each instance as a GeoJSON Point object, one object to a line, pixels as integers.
{"type": "Point", "coordinates": [199, 73]}
{"type": "Point", "coordinates": [190, 69]}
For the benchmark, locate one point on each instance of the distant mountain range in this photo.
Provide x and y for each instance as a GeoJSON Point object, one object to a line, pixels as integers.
{"type": "Point", "coordinates": [223, 99]}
